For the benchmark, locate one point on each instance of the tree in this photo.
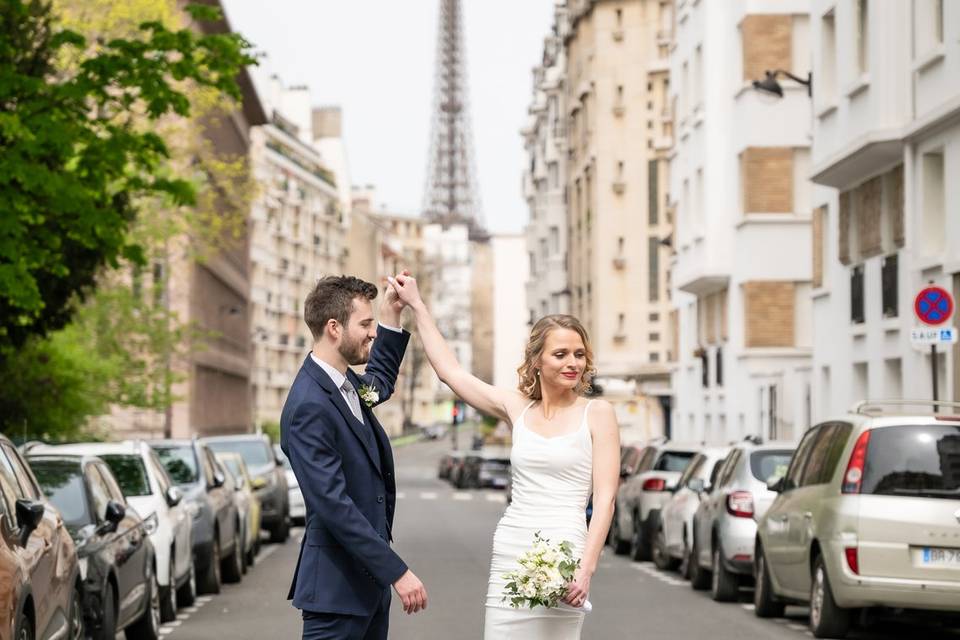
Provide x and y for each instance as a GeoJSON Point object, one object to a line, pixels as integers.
{"type": "Point", "coordinates": [80, 153]}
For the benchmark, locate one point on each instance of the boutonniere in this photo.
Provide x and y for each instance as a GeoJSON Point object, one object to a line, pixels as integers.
{"type": "Point", "coordinates": [369, 395]}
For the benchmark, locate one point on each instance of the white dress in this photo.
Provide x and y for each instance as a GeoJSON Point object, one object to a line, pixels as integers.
{"type": "Point", "coordinates": [552, 482]}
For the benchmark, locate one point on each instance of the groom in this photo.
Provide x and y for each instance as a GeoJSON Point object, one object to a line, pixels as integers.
{"type": "Point", "coordinates": [344, 465]}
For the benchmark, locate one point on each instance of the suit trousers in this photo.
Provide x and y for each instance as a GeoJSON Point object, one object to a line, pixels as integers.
{"type": "Point", "coordinates": [336, 626]}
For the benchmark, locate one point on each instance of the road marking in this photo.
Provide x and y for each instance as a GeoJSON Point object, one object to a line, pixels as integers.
{"type": "Point", "coordinates": [460, 495]}
{"type": "Point", "coordinates": [748, 607]}
{"type": "Point", "coordinates": [428, 495]}
{"type": "Point", "coordinates": [796, 627]}
{"type": "Point", "coordinates": [182, 616]}
{"type": "Point", "coordinates": [497, 497]}
{"type": "Point", "coordinates": [653, 572]}
{"type": "Point", "coordinates": [266, 552]}
{"type": "Point", "coordinates": [166, 631]}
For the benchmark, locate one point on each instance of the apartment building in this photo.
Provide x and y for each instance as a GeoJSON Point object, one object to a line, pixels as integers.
{"type": "Point", "coordinates": [886, 209]}
{"type": "Point", "coordinates": [298, 233]}
{"type": "Point", "coordinates": [617, 132]}
{"type": "Point", "coordinates": [544, 180]}
{"type": "Point", "coordinates": [741, 268]}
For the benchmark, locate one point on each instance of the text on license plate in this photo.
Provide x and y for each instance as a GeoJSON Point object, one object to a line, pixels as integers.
{"type": "Point", "coordinates": [934, 557]}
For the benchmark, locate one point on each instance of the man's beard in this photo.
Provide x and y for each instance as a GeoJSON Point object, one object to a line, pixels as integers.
{"type": "Point", "coordinates": [353, 351]}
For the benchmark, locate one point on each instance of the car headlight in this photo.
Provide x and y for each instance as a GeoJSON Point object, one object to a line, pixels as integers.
{"type": "Point", "coordinates": [151, 524]}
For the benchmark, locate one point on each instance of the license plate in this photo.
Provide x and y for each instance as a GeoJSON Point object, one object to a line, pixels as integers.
{"type": "Point", "coordinates": [937, 557]}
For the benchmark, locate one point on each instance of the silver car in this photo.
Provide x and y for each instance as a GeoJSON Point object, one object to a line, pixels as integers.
{"type": "Point", "coordinates": [642, 496]}
{"type": "Point", "coordinates": [671, 545]}
{"type": "Point", "coordinates": [725, 525]}
{"type": "Point", "coordinates": [867, 516]}
{"type": "Point", "coordinates": [298, 508]}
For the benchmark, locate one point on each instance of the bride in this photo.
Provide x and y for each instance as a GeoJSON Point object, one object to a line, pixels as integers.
{"type": "Point", "coordinates": [565, 447]}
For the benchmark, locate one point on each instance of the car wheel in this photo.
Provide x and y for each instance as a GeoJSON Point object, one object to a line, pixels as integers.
{"type": "Point", "coordinates": [661, 558]}
{"type": "Point", "coordinates": [232, 568]}
{"type": "Point", "coordinates": [251, 555]}
{"type": "Point", "coordinates": [280, 532]}
{"type": "Point", "coordinates": [765, 604]}
{"type": "Point", "coordinates": [724, 585]}
{"type": "Point", "coordinates": [148, 626]}
{"type": "Point", "coordinates": [187, 594]}
{"type": "Point", "coordinates": [639, 548]}
{"type": "Point", "coordinates": [620, 546]}
{"type": "Point", "coordinates": [243, 553]}
{"type": "Point", "coordinates": [107, 629]}
{"type": "Point", "coordinates": [210, 580]}
{"type": "Point", "coordinates": [827, 620]}
{"type": "Point", "coordinates": [168, 595]}
{"type": "Point", "coordinates": [77, 630]}
{"type": "Point", "coordinates": [699, 577]}
{"type": "Point", "coordinates": [24, 628]}
{"type": "Point", "coordinates": [685, 559]}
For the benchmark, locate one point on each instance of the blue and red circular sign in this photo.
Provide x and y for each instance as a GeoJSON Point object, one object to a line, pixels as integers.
{"type": "Point", "coordinates": [933, 305]}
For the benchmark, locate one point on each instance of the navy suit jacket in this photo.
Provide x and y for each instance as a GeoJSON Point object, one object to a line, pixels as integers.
{"type": "Point", "coordinates": [345, 560]}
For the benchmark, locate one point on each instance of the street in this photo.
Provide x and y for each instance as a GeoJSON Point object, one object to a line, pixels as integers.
{"type": "Point", "coordinates": [445, 537]}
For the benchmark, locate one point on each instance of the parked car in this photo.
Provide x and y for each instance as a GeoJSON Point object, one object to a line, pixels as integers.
{"type": "Point", "coordinates": [467, 474]}
{"type": "Point", "coordinates": [269, 479]}
{"type": "Point", "coordinates": [298, 508]}
{"type": "Point", "coordinates": [494, 468]}
{"type": "Point", "coordinates": [641, 497]}
{"type": "Point", "coordinates": [38, 559]}
{"type": "Point", "coordinates": [117, 560]}
{"type": "Point", "coordinates": [149, 489]}
{"type": "Point", "coordinates": [866, 516]}
{"type": "Point", "coordinates": [725, 525]}
{"type": "Point", "coordinates": [630, 455]}
{"type": "Point", "coordinates": [247, 503]}
{"type": "Point", "coordinates": [671, 545]}
{"type": "Point", "coordinates": [435, 430]}
{"type": "Point", "coordinates": [217, 546]}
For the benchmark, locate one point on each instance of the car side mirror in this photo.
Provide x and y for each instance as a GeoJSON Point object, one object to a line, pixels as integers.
{"type": "Point", "coordinates": [173, 496]}
{"type": "Point", "coordinates": [697, 485]}
{"type": "Point", "coordinates": [777, 485]}
{"type": "Point", "coordinates": [114, 513]}
{"type": "Point", "coordinates": [218, 480]}
{"type": "Point", "coordinates": [278, 460]}
{"type": "Point", "coordinates": [29, 515]}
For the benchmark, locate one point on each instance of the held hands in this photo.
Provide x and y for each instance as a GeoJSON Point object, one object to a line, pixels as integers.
{"type": "Point", "coordinates": [392, 305]}
{"type": "Point", "coordinates": [412, 593]}
{"type": "Point", "coordinates": [578, 589]}
{"type": "Point", "coordinates": [405, 287]}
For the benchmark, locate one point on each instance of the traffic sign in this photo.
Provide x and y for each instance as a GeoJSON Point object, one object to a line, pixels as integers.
{"type": "Point", "coordinates": [933, 305]}
{"type": "Point", "coordinates": [932, 336]}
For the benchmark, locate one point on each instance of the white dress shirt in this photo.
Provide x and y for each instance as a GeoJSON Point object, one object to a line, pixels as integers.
{"type": "Point", "coordinates": [337, 377]}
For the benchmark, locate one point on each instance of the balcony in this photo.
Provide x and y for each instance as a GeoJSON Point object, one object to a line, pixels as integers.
{"type": "Point", "coordinates": [619, 186]}
{"type": "Point", "coordinates": [699, 271]}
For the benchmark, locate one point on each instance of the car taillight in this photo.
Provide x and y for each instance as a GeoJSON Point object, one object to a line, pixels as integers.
{"type": "Point", "coordinates": [853, 560]}
{"type": "Point", "coordinates": [854, 474]}
{"type": "Point", "coordinates": [740, 504]}
{"type": "Point", "coordinates": [654, 484]}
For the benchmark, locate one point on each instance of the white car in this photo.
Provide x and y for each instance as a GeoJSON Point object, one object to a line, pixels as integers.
{"type": "Point", "coordinates": [298, 510]}
{"type": "Point", "coordinates": [152, 493]}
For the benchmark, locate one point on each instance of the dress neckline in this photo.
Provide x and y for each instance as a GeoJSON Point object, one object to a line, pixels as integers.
{"type": "Point", "coordinates": [583, 423]}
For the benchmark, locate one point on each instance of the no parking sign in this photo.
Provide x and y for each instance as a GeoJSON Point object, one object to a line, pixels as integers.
{"type": "Point", "coordinates": [934, 308]}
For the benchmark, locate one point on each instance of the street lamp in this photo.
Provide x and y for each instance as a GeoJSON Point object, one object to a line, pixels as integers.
{"type": "Point", "coordinates": [770, 84]}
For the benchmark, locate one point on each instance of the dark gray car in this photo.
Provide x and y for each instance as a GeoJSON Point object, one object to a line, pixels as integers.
{"type": "Point", "coordinates": [217, 549]}
{"type": "Point", "coordinates": [269, 479]}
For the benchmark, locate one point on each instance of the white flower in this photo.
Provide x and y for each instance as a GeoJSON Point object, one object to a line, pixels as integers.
{"type": "Point", "coordinates": [369, 395]}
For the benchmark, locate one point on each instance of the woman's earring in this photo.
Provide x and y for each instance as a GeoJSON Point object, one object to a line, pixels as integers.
{"type": "Point", "coordinates": [538, 373]}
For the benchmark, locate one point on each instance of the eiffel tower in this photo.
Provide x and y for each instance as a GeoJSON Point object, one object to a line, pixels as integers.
{"type": "Point", "coordinates": [451, 195]}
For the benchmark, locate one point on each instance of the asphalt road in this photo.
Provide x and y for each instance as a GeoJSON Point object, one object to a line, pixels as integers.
{"type": "Point", "coordinates": [445, 536]}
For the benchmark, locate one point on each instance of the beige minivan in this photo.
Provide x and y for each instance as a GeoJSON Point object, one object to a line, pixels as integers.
{"type": "Point", "coordinates": [867, 515]}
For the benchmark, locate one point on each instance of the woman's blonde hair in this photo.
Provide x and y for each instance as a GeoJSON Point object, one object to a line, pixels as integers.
{"type": "Point", "coordinates": [529, 380]}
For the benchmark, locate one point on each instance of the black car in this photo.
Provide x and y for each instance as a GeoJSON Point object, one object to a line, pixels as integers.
{"type": "Point", "coordinates": [217, 546]}
{"type": "Point", "coordinates": [120, 588]}
{"type": "Point", "coordinates": [269, 479]}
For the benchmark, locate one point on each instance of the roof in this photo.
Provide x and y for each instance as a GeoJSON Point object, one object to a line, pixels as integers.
{"type": "Point", "coordinates": [233, 438]}
{"type": "Point", "coordinates": [131, 447]}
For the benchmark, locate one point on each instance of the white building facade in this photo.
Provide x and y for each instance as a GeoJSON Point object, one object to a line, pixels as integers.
{"type": "Point", "coordinates": [886, 158]}
{"type": "Point", "coordinates": [547, 285]}
{"type": "Point", "coordinates": [509, 334]}
{"type": "Point", "coordinates": [740, 194]}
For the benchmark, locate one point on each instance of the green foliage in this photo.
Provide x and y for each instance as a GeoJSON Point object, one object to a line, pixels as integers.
{"type": "Point", "coordinates": [272, 429]}
{"type": "Point", "coordinates": [80, 152]}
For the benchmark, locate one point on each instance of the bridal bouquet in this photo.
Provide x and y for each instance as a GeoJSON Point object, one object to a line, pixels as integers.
{"type": "Point", "coordinates": [543, 575]}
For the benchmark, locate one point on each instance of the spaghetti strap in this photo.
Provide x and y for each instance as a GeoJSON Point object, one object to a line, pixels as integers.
{"type": "Point", "coordinates": [586, 410]}
{"type": "Point", "coordinates": [524, 412]}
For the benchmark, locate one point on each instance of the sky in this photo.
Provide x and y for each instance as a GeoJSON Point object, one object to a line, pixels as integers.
{"type": "Point", "coordinates": [375, 58]}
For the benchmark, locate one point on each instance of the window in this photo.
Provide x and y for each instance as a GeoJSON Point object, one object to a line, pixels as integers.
{"type": "Point", "coordinates": [692, 469]}
{"type": "Point", "coordinates": [913, 460]}
{"type": "Point", "coordinates": [799, 459]}
{"type": "Point", "coordinates": [718, 365]}
{"type": "Point", "coordinates": [673, 461]}
{"type": "Point", "coordinates": [856, 295]}
{"type": "Point", "coordinates": [773, 412]}
{"type": "Point", "coordinates": [99, 493]}
{"type": "Point", "coordinates": [825, 453]}
{"type": "Point", "coordinates": [116, 493]}
{"type": "Point", "coordinates": [159, 473]}
{"type": "Point", "coordinates": [654, 337]}
{"type": "Point", "coordinates": [729, 467]}
{"type": "Point", "coordinates": [646, 462]}
{"type": "Point", "coordinates": [827, 86]}
{"type": "Point", "coordinates": [767, 464]}
{"type": "Point", "coordinates": [27, 489]}
{"type": "Point", "coordinates": [888, 278]}
{"type": "Point", "coordinates": [179, 462]}
{"type": "Point", "coordinates": [704, 369]}
{"type": "Point", "coordinates": [653, 192]}
{"type": "Point", "coordinates": [130, 474]}
{"type": "Point", "coordinates": [653, 272]}
{"type": "Point", "coordinates": [863, 36]}
{"type": "Point", "coordinates": [62, 484]}
{"type": "Point", "coordinates": [654, 356]}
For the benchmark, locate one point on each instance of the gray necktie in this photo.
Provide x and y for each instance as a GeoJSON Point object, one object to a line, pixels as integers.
{"type": "Point", "coordinates": [353, 400]}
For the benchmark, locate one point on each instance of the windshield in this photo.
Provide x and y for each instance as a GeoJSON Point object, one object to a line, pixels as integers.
{"type": "Point", "coordinates": [62, 482]}
{"type": "Point", "coordinates": [673, 461]}
{"type": "Point", "coordinates": [234, 467]}
{"type": "Point", "coordinates": [130, 474]}
{"type": "Point", "coordinates": [766, 465]}
{"type": "Point", "coordinates": [255, 453]}
{"type": "Point", "coordinates": [179, 462]}
{"type": "Point", "coordinates": [914, 460]}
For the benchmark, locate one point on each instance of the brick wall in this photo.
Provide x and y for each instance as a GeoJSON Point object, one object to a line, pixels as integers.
{"type": "Point", "coordinates": [843, 237]}
{"type": "Point", "coordinates": [894, 179]}
{"type": "Point", "coordinates": [767, 44]}
{"type": "Point", "coordinates": [767, 179]}
{"type": "Point", "coordinates": [868, 211]}
{"type": "Point", "coordinates": [819, 220]}
{"type": "Point", "coordinates": [769, 308]}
